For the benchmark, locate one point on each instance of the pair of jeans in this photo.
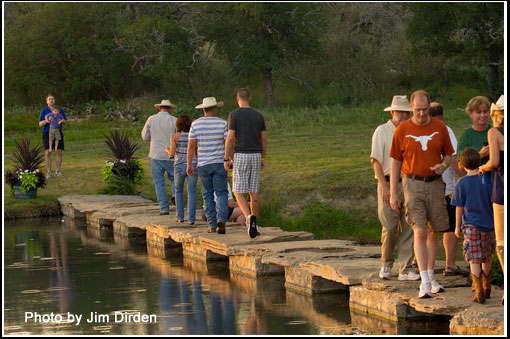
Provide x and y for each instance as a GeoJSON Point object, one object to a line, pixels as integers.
{"type": "Point", "coordinates": [214, 179]}
{"type": "Point", "coordinates": [158, 168]}
{"type": "Point", "coordinates": [179, 176]}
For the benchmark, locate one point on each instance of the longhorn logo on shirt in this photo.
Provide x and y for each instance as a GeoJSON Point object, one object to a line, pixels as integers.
{"type": "Point", "coordinates": [424, 139]}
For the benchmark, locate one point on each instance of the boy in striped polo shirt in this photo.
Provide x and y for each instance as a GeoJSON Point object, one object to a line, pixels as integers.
{"type": "Point", "coordinates": [210, 132]}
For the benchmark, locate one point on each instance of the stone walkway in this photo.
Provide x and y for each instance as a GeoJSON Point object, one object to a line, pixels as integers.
{"type": "Point", "coordinates": [308, 266]}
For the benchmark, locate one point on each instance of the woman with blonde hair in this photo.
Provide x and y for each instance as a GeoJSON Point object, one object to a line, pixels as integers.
{"type": "Point", "coordinates": [496, 163]}
{"type": "Point", "coordinates": [476, 135]}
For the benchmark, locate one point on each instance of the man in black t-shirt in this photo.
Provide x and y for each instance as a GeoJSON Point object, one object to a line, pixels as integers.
{"type": "Point", "coordinates": [247, 131]}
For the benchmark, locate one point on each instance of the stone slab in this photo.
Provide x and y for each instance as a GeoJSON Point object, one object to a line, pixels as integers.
{"type": "Point", "coordinates": [377, 326]}
{"type": "Point", "coordinates": [77, 205]}
{"type": "Point", "coordinates": [486, 319]}
{"type": "Point", "coordinates": [337, 260]}
{"type": "Point", "coordinates": [301, 281]}
{"type": "Point", "coordinates": [398, 300]}
{"type": "Point", "coordinates": [106, 216]}
{"type": "Point", "coordinates": [236, 237]}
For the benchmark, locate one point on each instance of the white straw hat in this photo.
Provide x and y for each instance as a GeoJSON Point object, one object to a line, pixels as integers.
{"type": "Point", "coordinates": [399, 103]}
{"type": "Point", "coordinates": [499, 105]}
{"type": "Point", "coordinates": [210, 102]}
{"type": "Point", "coordinates": [165, 103]}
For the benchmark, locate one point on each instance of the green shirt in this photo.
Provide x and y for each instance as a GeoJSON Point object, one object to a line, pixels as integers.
{"type": "Point", "coordinates": [475, 139]}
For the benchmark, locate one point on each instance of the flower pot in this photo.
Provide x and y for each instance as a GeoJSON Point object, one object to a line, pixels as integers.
{"type": "Point", "coordinates": [31, 194]}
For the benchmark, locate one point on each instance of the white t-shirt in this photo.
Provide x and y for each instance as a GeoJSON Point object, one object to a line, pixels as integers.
{"type": "Point", "coordinates": [449, 174]}
{"type": "Point", "coordinates": [230, 196]}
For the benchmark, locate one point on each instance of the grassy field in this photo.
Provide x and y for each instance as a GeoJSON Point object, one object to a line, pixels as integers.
{"type": "Point", "coordinates": [318, 176]}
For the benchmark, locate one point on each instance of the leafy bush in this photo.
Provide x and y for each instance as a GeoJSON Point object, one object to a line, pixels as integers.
{"type": "Point", "coordinates": [117, 185]}
{"type": "Point", "coordinates": [123, 172]}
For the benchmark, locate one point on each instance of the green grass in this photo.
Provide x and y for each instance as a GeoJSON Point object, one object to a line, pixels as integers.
{"type": "Point", "coordinates": [318, 176]}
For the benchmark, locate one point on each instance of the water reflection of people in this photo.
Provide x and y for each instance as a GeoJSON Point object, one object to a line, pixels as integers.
{"type": "Point", "coordinates": [222, 314]}
{"type": "Point", "coordinates": [193, 313]}
{"type": "Point", "coordinates": [60, 281]}
{"type": "Point", "coordinates": [256, 320]}
{"type": "Point", "coordinates": [187, 314]}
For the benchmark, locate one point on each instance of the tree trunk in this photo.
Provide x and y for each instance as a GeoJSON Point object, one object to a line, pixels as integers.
{"type": "Point", "coordinates": [493, 78]}
{"type": "Point", "coordinates": [268, 86]}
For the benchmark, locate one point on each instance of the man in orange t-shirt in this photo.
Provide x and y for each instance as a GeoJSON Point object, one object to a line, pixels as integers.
{"type": "Point", "coordinates": [421, 150]}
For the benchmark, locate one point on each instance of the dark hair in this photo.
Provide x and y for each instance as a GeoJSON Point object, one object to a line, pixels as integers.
{"type": "Point", "coordinates": [56, 107]}
{"type": "Point", "coordinates": [420, 92]}
{"type": "Point", "coordinates": [183, 123]}
{"type": "Point", "coordinates": [49, 95]}
{"type": "Point", "coordinates": [436, 109]}
{"type": "Point", "coordinates": [208, 109]}
{"type": "Point", "coordinates": [470, 158]}
{"type": "Point", "coordinates": [243, 94]}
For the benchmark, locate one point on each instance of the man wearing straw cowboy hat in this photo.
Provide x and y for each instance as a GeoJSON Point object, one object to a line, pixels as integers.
{"type": "Point", "coordinates": [392, 222]}
{"type": "Point", "coordinates": [209, 133]}
{"type": "Point", "coordinates": [158, 129]}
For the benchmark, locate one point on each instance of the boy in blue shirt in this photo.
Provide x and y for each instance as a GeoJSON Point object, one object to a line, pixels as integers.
{"type": "Point", "coordinates": [475, 218]}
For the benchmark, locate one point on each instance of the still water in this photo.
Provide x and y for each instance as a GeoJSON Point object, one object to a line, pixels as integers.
{"type": "Point", "coordinates": [61, 279]}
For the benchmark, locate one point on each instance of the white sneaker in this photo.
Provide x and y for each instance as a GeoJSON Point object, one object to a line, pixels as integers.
{"type": "Point", "coordinates": [48, 176]}
{"type": "Point", "coordinates": [385, 272]}
{"type": "Point", "coordinates": [436, 287]}
{"type": "Point", "coordinates": [410, 275]}
{"type": "Point", "coordinates": [58, 174]}
{"type": "Point", "coordinates": [425, 291]}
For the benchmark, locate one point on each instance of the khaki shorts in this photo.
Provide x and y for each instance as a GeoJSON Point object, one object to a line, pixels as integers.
{"type": "Point", "coordinates": [55, 133]}
{"type": "Point", "coordinates": [425, 204]}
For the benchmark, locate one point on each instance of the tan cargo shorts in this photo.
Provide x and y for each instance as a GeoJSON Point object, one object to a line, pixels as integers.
{"type": "Point", "coordinates": [425, 205]}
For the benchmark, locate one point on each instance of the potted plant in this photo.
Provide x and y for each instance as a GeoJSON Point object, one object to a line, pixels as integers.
{"type": "Point", "coordinates": [26, 177]}
{"type": "Point", "coordinates": [122, 164]}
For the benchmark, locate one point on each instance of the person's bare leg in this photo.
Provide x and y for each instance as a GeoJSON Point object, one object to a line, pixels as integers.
{"type": "Point", "coordinates": [450, 247]}
{"type": "Point", "coordinates": [420, 248]}
{"type": "Point", "coordinates": [47, 156]}
{"type": "Point", "coordinates": [243, 204]}
{"type": "Point", "coordinates": [237, 216]}
{"type": "Point", "coordinates": [431, 249]}
{"type": "Point", "coordinates": [255, 204]}
{"type": "Point", "coordinates": [59, 159]}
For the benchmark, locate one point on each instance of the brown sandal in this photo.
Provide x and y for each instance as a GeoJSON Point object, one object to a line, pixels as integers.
{"type": "Point", "coordinates": [450, 271]}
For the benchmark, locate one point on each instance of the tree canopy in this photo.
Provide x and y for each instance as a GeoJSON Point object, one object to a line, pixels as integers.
{"type": "Point", "coordinates": [300, 53]}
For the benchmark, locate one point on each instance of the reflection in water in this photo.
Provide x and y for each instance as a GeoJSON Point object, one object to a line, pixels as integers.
{"type": "Point", "coordinates": [256, 320]}
{"type": "Point", "coordinates": [65, 269]}
{"type": "Point", "coordinates": [60, 281]}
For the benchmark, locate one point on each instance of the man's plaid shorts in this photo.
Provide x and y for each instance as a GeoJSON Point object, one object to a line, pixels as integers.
{"type": "Point", "coordinates": [246, 172]}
